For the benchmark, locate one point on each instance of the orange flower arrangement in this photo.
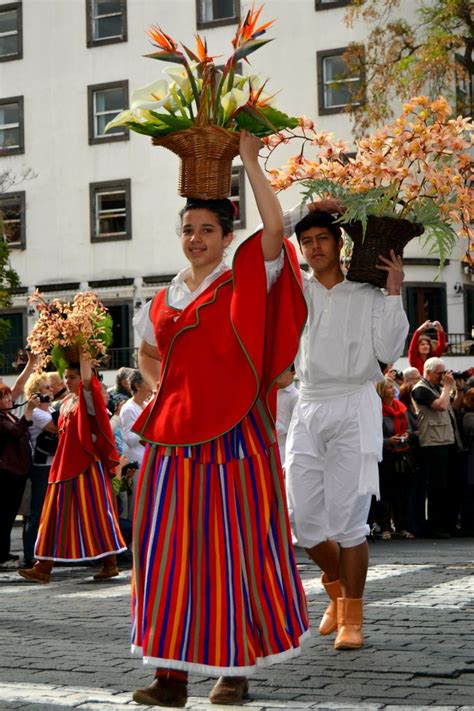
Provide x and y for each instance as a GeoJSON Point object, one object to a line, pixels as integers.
{"type": "Point", "coordinates": [83, 324]}
{"type": "Point", "coordinates": [418, 168]}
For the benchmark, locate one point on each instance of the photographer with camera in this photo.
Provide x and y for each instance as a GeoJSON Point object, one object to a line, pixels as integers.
{"type": "Point", "coordinates": [44, 440]}
{"type": "Point", "coordinates": [439, 441]}
{"type": "Point", "coordinates": [421, 346]}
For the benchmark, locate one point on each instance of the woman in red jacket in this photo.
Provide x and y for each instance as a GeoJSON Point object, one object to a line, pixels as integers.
{"type": "Point", "coordinates": [421, 347]}
{"type": "Point", "coordinates": [79, 521]}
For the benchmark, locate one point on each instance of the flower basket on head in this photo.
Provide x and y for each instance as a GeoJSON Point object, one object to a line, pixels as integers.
{"type": "Point", "coordinates": [199, 113]}
{"type": "Point", "coordinates": [410, 177]}
{"type": "Point", "coordinates": [382, 235]}
{"type": "Point", "coordinates": [206, 154]}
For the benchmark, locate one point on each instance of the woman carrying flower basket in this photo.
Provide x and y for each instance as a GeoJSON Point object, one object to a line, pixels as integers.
{"type": "Point", "coordinates": [215, 585]}
{"type": "Point", "coordinates": [79, 520]}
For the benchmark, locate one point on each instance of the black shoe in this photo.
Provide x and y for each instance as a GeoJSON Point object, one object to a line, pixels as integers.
{"type": "Point", "coordinates": [28, 563]}
{"type": "Point", "coordinates": [12, 556]}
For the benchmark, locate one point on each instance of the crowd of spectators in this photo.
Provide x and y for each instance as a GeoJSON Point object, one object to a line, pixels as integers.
{"type": "Point", "coordinates": [426, 474]}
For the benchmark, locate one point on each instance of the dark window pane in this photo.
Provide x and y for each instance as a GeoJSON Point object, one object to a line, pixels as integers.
{"type": "Point", "coordinates": [217, 9]}
{"type": "Point", "coordinates": [112, 225]}
{"type": "Point", "coordinates": [109, 100]}
{"type": "Point", "coordinates": [8, 21]}
{"type": "Point", "coordinates": [334, 68]}
{"type": "Point", "coordinates": [108, 27]}
{"type": "Point", "coordinates": [8, 114]}
{"type": "Point", "coordinates": [112, 201]}
{"type": "Point", "coordinates": [12, 232]}
{"type": "Point", "coordinates": [10, 212]}
{"type": "Point", "coordinates": [8, 45]}
{"type": "Point", "coordinates": [106, 7]}
{"type": "Point", "coordinates": [9, 138]}
{"type": "Point", "coordinates": [101, 123]}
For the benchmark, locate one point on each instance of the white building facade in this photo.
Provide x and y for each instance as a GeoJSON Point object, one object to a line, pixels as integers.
{"type": "Point", "coordinates": [101, 213]}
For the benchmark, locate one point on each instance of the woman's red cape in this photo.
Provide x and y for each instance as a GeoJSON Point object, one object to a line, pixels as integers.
{"type": "Point", "coordinates": [213, 375]}
{"type": "Point", "coordinates": [76, 449]}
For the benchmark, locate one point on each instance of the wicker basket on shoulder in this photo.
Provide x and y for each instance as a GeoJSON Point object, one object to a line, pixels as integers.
{"type": "Point", "coordinates": [206, 160]}
{"type": "Point", "coordinates": [382, 235]}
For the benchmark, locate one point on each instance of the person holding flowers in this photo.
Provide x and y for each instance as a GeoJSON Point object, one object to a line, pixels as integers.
{"type": "Point", "coordinates": [215, 584]}
{"type": "Point", "coordinates": [78, 520]}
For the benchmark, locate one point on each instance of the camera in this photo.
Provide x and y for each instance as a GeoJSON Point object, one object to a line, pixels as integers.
{"type": "Point", "coordinates": [43, 398]}
{"type": "Point", "coordinates": [461, 375]}
{"type": "Point", "coordinates": [130, 465]}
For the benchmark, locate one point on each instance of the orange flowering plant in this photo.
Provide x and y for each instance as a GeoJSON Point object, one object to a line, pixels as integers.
{"type": "Point", "coordinates": [419, 168]}
{"type": "Point", "coordinates": [200, 94]}
{"type": "Point", "coordinates": [62, 326]}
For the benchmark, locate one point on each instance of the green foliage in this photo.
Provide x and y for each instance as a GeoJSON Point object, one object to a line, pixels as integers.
{"type": "Point", "coordinates": [264, 121]}
{"type": "Point", "coordinates": [438, 239]}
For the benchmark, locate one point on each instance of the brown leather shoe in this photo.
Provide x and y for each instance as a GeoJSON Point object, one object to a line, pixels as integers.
{"type": "Point", "coordinates": [229, 690]}
{"type": "Point", "coordinates": [163, 692]}
{"type": "Point", "coordinates": [39, 573]}
{"type": "Point", "coordinates": [111, 571]}
{"type": "Point", "coordinates": [333, 589]}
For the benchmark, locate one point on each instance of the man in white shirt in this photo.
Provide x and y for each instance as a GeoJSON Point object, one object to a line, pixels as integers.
{"type": "Point", "coordinates": [335, 437]}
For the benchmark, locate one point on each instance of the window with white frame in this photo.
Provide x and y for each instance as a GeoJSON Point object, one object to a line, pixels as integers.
{"type": "Point", "coordinates": [11, 126]}
{"type": "Point", "coordinates": [111, 217]}
{"type": "Point", "coordinates": [11, 35]}
{"type": "Point", "coordinates": [237, 195]}
{"type": "Point", "coordinates": [12, 219]}
{"type": "Point", "coordinates": [106, 21]}
{"type": "Point", "coordinates": [337, 88]}
{"type": "Point", "coordinates": [217, 12]}
{"type": "Point", "coordinates": [105, 101]}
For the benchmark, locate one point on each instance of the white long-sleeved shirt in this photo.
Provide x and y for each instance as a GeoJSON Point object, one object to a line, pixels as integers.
{"type": "Point", "coordinates": [349, 328]}
{"type": "Point", "coordinates": [132, 448]}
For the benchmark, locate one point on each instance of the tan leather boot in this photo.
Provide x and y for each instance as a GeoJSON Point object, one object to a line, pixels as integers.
{"type": "Point", "coordinates": [39, 573]}
{"type": "Point", "coordinates": [163, 692]}
{"type": "Point", "coordinates": [229, 690]}
{"type": "Point", "coordinates": [349, 623]}
{"type": "Point", "coordinates": [109, 568]}
{"type": "Point", "coordinates": [333, 588]}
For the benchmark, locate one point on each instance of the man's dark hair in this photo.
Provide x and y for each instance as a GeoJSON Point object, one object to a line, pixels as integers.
{"type": "Point", "coordinates": [223, 210]}
{"type": "Point", "coordinates": [318, 219]}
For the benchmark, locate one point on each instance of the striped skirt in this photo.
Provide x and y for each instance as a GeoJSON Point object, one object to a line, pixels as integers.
{"type": "Point", "coordinates": [79, 520]}
{"type": "Point", "coordinates": [215, 586]}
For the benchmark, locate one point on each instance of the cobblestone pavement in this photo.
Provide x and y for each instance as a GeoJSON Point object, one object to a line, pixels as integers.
{"type": "Point", "coordinates": [65, 645]}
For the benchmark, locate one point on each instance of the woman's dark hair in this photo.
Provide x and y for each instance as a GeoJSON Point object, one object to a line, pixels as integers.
{"type": "Point", "coordinates": [318, 219]}
{"type": "Point", "coordinates": [222, 209]}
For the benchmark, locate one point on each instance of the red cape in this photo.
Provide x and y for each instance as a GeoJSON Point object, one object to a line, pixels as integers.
{"type": "Point", "coordinates": [76, 449]}
{"type": "Point", "coordinates": [213, 375]}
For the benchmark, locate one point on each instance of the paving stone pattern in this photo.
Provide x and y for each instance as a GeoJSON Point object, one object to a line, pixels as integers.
{"type": "Point", "coordinates": [66, 644]}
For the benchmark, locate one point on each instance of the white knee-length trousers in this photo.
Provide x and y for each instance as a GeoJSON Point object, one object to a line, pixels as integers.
{"type": "Point", "coordinates": [323, 464]}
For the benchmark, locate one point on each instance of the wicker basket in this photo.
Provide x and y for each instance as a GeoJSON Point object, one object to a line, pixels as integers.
{"type": "Point", "coordinates": [206, 160]}
{"type": "Point", "coordinates": [382, 235]}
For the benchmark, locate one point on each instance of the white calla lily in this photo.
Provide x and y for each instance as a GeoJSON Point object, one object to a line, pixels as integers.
{"type": "Point", "coordinates": [233, 100]}
{"type": "Point", "coordinates": [152, 96]}
{"type": "Point", "coordinates": [180, 76]}
{"type": "Point", "coordinates": [125, 117]}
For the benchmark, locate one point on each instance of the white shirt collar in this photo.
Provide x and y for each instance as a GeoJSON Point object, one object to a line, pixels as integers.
{"type": "Point", "coordinates": [179, 279]}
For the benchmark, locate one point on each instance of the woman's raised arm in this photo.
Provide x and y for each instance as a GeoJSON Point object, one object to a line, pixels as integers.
{"type": "Point", "coordinates": [267, 202]}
